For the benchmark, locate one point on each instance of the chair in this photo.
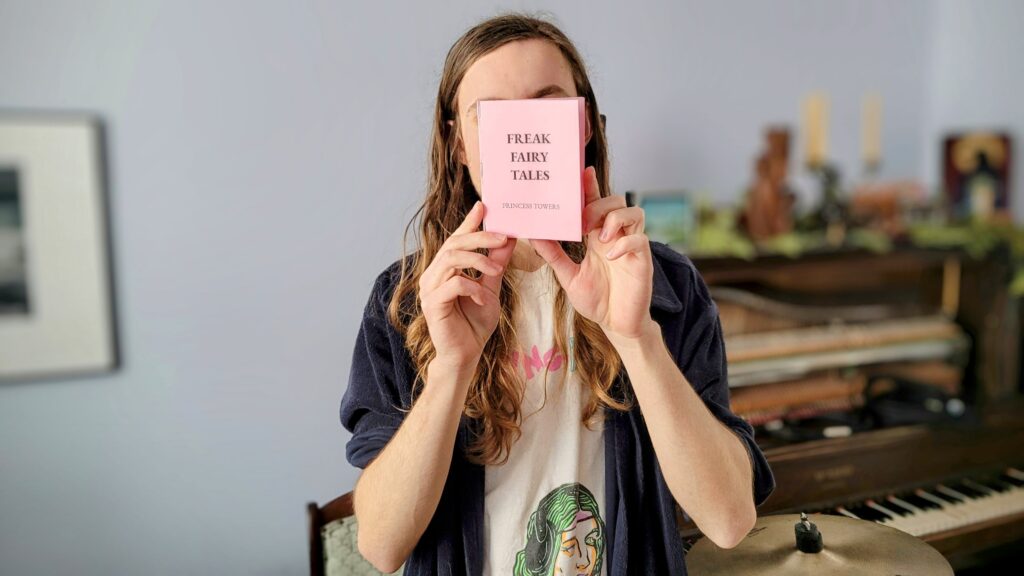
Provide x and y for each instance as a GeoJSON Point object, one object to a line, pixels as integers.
{"type": "Point", "coordinates": [332, 540]}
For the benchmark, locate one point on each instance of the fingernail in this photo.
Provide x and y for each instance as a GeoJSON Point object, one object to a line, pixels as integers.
{"type": "Point", "coordinates": [604, 235]}
{"type": "Point", "coordinates": [500, 236]}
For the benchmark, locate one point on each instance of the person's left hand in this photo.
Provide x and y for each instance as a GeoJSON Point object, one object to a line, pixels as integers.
{"type": "Point", "coordinates": [612, 285]}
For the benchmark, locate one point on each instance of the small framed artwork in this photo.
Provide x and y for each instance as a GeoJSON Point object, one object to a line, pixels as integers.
{"type": "Point", "coordinates": [976, 175]}
{"type": "Point", "coordinates": [669, 216]}
{"type": "Point", "coordinates": [57, 316]}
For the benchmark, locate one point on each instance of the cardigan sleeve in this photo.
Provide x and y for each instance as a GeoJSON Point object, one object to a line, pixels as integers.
{"type": "Point", "coordinates": [371, 407]}
{"type": "Point", "coordinates": [700, 353]}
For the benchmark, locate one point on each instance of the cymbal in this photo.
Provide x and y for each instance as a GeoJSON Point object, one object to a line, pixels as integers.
{"type": "Point", "coordinates": [850, 547]}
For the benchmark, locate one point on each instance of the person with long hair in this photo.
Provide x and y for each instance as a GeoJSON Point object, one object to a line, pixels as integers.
{"type": "Point", "coordinates": [491, 372]}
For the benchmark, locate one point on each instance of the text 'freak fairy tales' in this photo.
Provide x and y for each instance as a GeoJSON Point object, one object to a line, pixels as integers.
{"type": "Point", "coordinates": [531, 166]}
{"type": "Point", "coordinates": [534, 159]}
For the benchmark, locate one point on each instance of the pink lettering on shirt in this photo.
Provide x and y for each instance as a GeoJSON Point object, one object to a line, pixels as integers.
{"type": "Point", "coordinates": [552, 359]}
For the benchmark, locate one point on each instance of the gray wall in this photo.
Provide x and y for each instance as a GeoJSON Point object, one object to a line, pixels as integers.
{"type": "Point", "coordinates": [976, 78]}
{"type": "Point", "coordinates": [265, 158]}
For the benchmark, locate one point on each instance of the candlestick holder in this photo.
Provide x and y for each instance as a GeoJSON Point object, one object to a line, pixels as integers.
{"type": "Point", "coordinates": [831, 212]}
{"type": "Point", "coordinates": [871, 168]}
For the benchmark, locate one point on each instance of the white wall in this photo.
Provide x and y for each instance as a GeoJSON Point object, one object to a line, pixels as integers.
{"type": "Point", "coordinates": [264, 160]}
{"type": "Point", "coordinates": [976, 79]}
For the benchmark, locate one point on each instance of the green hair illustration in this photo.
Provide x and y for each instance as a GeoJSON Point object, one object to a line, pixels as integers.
{"type": "Point", "coordinates": [557, 513]}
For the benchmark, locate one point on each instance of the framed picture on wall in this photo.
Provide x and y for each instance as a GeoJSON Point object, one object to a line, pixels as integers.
{"type": "Point", "coordinates": [976, 175]}
{"type": "Point", "coordinates": [57, 315]}
{"type": "Point", "coordinates": [669, 216]}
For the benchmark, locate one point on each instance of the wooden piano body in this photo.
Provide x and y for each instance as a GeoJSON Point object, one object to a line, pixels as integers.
{"type": "Point", "coordinates": [934, 315]}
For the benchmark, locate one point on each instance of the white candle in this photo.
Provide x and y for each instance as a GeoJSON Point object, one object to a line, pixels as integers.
{"type": "Point", "coordinates": [871, 130]}
{"type": "Point", "coordinates": [815, 112]}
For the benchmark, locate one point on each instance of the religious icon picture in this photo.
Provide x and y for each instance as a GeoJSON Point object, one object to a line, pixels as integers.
{"type": "Point", "coordinates": [976, 175]}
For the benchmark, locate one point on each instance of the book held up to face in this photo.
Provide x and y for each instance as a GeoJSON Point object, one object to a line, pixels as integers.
{"type": "Point", "coordinates": [531, 166]}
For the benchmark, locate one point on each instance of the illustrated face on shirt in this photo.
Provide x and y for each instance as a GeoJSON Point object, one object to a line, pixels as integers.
{"type": "Point", "coordinates": [565, 536]}
{"type": "Point", "coordinates": [579, 550]}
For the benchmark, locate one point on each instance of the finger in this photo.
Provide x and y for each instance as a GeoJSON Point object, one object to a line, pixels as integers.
{"type": "Point", "coordinates": [591, 189]}
{"type": "Point", "coordinates": [552, 252]}
{"type": "Point", "coordinates": [632, 244]}
{"type": "Point", "coordinates": [472, 220]}
{"type": "Point", "coordinates": [500, 256]}
{"type": "Point", "coordinates": [594, 213]}
{"type": "Point", "coordinates": [474, 240]}
{"type": "Point", "coordinates": [449, 263]}
{"type": "Point", "coordinates": [454, 287]}
{"type": "Point", "coordinates": [629, 220]}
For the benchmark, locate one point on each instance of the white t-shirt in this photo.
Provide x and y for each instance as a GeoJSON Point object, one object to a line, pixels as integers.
{"type": "Point", "coordinates": [544, 508]}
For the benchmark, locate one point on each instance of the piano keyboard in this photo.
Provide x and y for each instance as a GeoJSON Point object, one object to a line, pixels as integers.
{"type": "Point", "coordinates": [946, 506]}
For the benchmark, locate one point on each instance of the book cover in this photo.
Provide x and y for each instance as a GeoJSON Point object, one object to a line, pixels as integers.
{"type": "Point", "coordinates": [531, 166]}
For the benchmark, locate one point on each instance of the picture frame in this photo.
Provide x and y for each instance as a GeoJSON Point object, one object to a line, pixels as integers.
{"type": "Point", "coordinates": [976, 175]}
{"type": "Point", "coordinates": [669, 216]}
{"type": "Point", "coordinates": [57, 308]}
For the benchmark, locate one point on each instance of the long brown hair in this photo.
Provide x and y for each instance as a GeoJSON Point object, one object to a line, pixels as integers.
{"type": "Point", "coordinates": [496, 392]}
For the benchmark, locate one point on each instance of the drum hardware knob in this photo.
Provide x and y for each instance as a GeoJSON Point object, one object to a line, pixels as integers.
{"type": "Point", "coordinates": [808, 538]}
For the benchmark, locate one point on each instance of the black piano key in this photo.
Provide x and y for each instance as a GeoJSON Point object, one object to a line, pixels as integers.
{"type": "Point", "coordinates": [842, 511]}
{"type": "Point", "coordinates": [980, 488]}
{"type": "Point", "coordinates": [948, 494]}
{"type": "Point", "coordinates": [856, 510]}
{"type": "Point", "coordinates": [891, 504]}
{"type": "Point", "coordinates": [922, 503]}
{"type": "Point", "coordinates": [967, 490]}
{"type": "Point", "coordinates": [950, 500]}
{"type": "Point", "coordinates": [1012, 480]}
{"type": "Point", "coordinates": [995, 484]}
{"type": "Point", "coordinates": [866, 512]}
{"type": "Point", "coordinates": [886, 514]}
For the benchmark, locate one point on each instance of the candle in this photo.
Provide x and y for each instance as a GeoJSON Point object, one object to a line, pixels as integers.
{"type": "Point", "coordinates": [815, 112]}
{"type": "Point", "coordinates": [871, 130]}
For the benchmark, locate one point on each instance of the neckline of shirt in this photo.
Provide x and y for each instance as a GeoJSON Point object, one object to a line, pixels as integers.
{"type": "Point", "coordinates": [539, 279]}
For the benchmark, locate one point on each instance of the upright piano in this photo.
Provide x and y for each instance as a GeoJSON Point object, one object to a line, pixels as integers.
{"type": "Point", "coordinates": [884, 387]}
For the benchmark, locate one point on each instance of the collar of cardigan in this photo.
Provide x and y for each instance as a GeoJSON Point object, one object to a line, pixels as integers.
{"type": "Point", "coordinates": [663, 295]}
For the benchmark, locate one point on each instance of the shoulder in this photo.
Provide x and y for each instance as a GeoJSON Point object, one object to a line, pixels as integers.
{"type": "Point", "coordinates": [387, 280]}
{"type": "Point", "coordinates": [677, 280]}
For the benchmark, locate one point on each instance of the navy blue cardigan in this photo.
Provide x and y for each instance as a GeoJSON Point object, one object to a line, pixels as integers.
{"type": "Point", "coordinates": [642, 535]}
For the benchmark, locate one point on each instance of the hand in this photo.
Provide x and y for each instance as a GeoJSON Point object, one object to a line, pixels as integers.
{"type": "Point", "coordinates": [461, 313]}
{"type": "Point", "coordinates": [612, 285]}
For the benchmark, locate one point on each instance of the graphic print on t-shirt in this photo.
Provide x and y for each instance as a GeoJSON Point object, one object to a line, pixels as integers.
{"type": "Point", "coordinates": [552, 360]}
{"type": "Point", "coordinates": [565, 535]}
{"type": "Point", "coordinates": [541, 514]}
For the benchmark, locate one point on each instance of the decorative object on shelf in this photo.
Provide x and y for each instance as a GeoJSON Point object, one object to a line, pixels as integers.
{"type": "Point", "coordinates": [883, 205]}
{"type": "Point", "coordinates": [56, 299]}
{"type": "Point", "coordinates": [976, 175]}
{"type": "Point", "coordinates": [769, 203]}
{"type": "Point", "coordinates": [669, 216]}
{"type": "Point", "coordinates": [815, 130]}
{"type": "Point", "coordinates": [717, 234]}
{"type": "Point", "coordinates": [831, 213]}
{"type": "Point", "coordinates": [871, 134]}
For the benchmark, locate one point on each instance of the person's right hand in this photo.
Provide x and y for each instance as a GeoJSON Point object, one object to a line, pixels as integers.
{"type": "Point", "coordinates": [461, 313]}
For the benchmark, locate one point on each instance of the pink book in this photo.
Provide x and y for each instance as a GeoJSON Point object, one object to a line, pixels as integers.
{"type": "Point", "coordinates": [531, 165]}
